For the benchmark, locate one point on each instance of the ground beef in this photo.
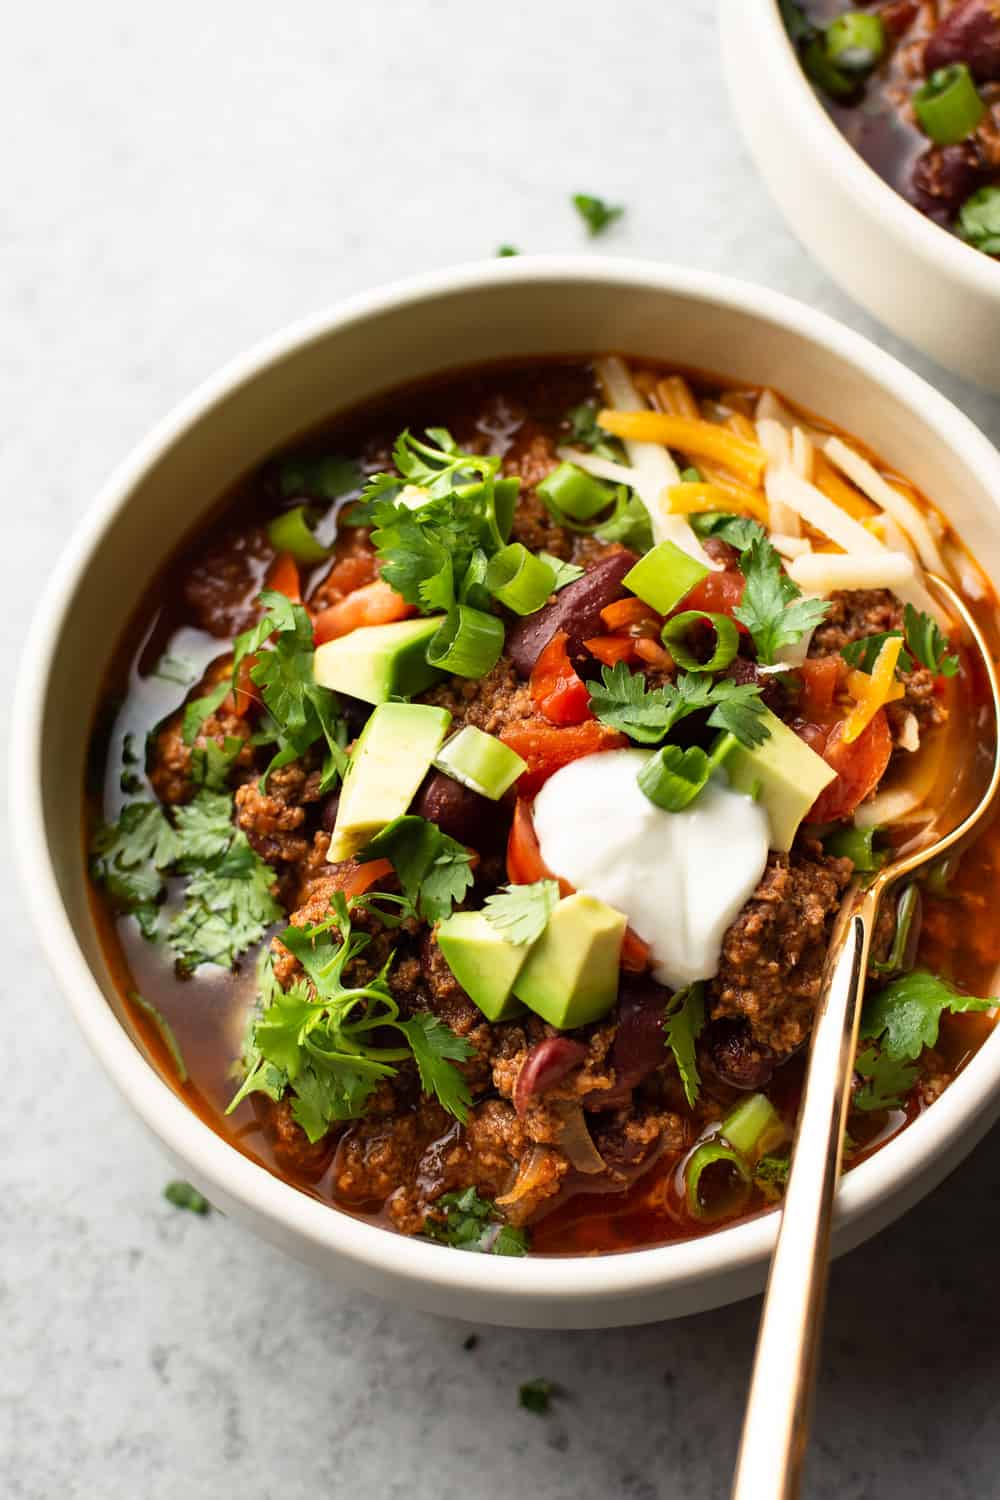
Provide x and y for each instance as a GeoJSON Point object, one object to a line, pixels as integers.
{"type": "Point", "coordinates": [531, 457]}
{"type": "Point", "coordinates": [292, 1147]}
{"type": "Point", "coordinates": [170, 769]}
{"type": "Point", "coordinates": [491, 703]}
{"type": "Point", "coordinates": [220, 588]}
{"type": "Point", "coordinates": [631, 1139]}
{"type": "Point", "coordinates": [272, 820]}
{"type": "Point", "coordinates": [773, 954]}
{"type": "Point", "coordinates": [862, 612]}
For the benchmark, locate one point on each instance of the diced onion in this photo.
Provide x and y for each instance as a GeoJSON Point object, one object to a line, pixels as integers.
{"type": "Point", "coordinates": [871, 483]}
{"type": "Point", "coordinates": [654, 469]}
{"type": "Point", "coordinates": [600, 468]}
{"type": "Point", "coordinates": [909, 733]}
{"type": "Point", "coordinates": [890, 807]}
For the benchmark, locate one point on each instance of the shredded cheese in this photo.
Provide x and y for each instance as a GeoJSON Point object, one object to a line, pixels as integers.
{"type": "Point", "coordinates": [601, 468]}
{"type": "Point", "coordinates": [821, 513]}
{"type": "Point", "coordinates": [689, 499]}
{"type": "Point", "coordinates": [873, 691]}
{"type": "Point", "coordinates": [803, 454]}
{"type": "Point", "coordinates": [689, 435]}
{"type": "Point", "coordinates": [776, 443]}
{"type": "Point", "coordinates": [825, 572]}
{"type": "Point", "coordinates": [790, 546]}
{"type": "Point", "coordinates": [870, 481]}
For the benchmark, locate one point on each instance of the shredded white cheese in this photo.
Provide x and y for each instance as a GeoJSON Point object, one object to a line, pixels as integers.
{"type": "Point", "coordinates": [776, 443]}
{"type": "Point", "coordinates": [790, 546]}
{"type": "Point", "coordinates": [803, 454]}
{"type": "Point", "coordinates": [825, 572]}
{"type": "Point", "coordinates": [898, 506]}
{"type": "Point", "coordinates": [891, 807]}
{"type": "Point", "coordinates": [601, 468]}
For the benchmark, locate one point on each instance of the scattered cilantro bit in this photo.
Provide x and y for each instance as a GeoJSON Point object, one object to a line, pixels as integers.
{"type": "Point", "coordinates": [503, 251]}
{"type": "Point", "coordinates": [647, 715]}
{"type": "Point", "coordinates": [183, 1195]}
{"type": "Point", "coordinates": [471, 1341]}
{"type": "Point", "coordinates": [739, 531]}
{"type": "Point", "coordinates": [179, 669]}
{"type": "Point", "coordinates": [128, 856]}
{"type": "Point", "coordinates": [564, 572]}
{"type": "Point", "coordinates": [928, 642]}
{"type": "Point", "coordinates": [299, 712]}
{"type": "Point", "coordinates": [326, 478]}
{"type": "Point", "coordinates": [228, 905]}
{"type": "Point", "coordinates": [536, 1396]}
{"type": "Point", "coordinates": [905, 1015]}
{"type": "Point", "coordinates": [315, 1038]}
{"type": "Point", "coordinates": [863, 652]}
{"type": "Point", "coordinates": [211, 763]}
{"type": "Point", "coordinates": [595, 212]}
{"type": "Point", "coordinates": [691, 475]}
{"type": "Point", "coordinates": [584, 427]}
{"type": "Point", "coordinates": [772, 607]}
{"type": "Point", "coordinates": [979, 220]}
{"type": "Point", "coordinates": [683, 1022]}
{"type": "Point", "coordinates": [434, 870]}
{"type": "Point", "coordinates": [465, 1221]}
{"type": "Point", "coordinates": [770, 1176]}
{"type": "Point", "coordinates": [199, 709]}
{"type": "Point", "coordinates": [797, 23]}
{"type": "Point", "coordinates": [886, 1080]}
{"type": "Point", "coordinates": [521, 912]}
{"type": "Point", "coordinates": [166, 1031]}
{"type": "Point", "coordinates": [628, 523]}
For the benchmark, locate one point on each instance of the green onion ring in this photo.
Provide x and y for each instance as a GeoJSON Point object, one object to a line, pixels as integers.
{"type": "Point", "coordinates": [467, 643]}
{"type": "Point", "coordinates": [519, 579]}
{"type": "Point", "coordinates": [675, 632]}
{"type": "Point", "coordinates": [291, 532]}
{"type": "Point", "coordinates": [713, 1154]}
{"type": "Point", "coordinates": [948, 105]}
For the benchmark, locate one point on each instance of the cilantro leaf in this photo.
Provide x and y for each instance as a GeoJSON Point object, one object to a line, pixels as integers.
{"type": "Point", "coordinates": [583, 425]}
{"type": "Point", "coordinates": [887, 1081]}
{"type": "Point", "coordinates": [772, 607]}
{"type": "Point", "coordinates": [683, 1022]}
{"type": "Point", "coordinates": [979, 218]}
{"type": "Point", "coordinates": [863, 652]}
{"type": "Point", "coordinates": [504, 251]}
{"type": "Point", "coordinates": [564, 572]}
{"type": "Point", "coordinates": [435, 1047]}
{"type": "Point", "coordinates": [928, 642]}
{"type": "Point", "coordinates": [211, 763]}
{"type": "Point", "coordinates": [624, 701]}
{"type": "Point", "coordinates": [183, 1195]}
{"type": "Point", "coordinates": [739, 709]}
{"type": "Point", "coordinates": [142, 834]}
{"type": "Point", "coordinates": [536, 1396]}
{"type": "Point", "coordinates": [595, 213]}
{"type": "Point", "coordinates": [324, 478]}
{"type": "Point", "coordinates": [165, 1030]}
{"type": "Point", "coordinates": [521, 912]}
{"type": "Point", "coordinates": [200, 709]}
{"type": "Point", "coordinates": [628, 523]}
{"type": "Point", "coordinates": [465, 1221]}
{"type": "Point", "coordinates": [770, 1176]}
{"type": "Point", "coordinates": [228, 904]}
{"type": "Point", "coordinates": [739, 531]}
{"type": "Point", "coordinates": [204, 829]}
{"type": "Point", "coordinates": [434, 870]}
{"type": "Point", "coordinates": [905, 1015]}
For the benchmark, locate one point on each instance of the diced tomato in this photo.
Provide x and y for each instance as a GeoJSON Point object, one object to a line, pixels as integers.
{"type": "Point", "coordinates": [525, 865]}
{"type": "Point", "coordinates": [373, 604]}
{"type": "Point", "coordinates": [631, 611]}
{"type": "Point", "coordinates": [860, 765]}
{"type": "Point", "coordinates": [612, 648]}
{"type": "Point", "coordinates": [247, 694]}
{"type": "Point", "coordinates": [717, 594]}
{"type": "Point", "coordinates": [350, 572]}
{"type": "Point", "coordinates": [653, 654]}
{"type": "Point", "coordinates": [547, 749]}
{"type": "Point", "coordinates": [820, 676]}
{"type": "Point", "coordinates": [354, 879]}
{"type": "Point", "coordinates": [283, 577]}
{"type": "Point", "coordinates": [556, 690]}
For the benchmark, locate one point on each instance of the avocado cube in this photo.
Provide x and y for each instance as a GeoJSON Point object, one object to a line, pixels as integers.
{"type": "Point", "coordinates": [391, 758]}
{"type": "Point", "coordinates": [483, 961]}
{"type": "Point", "coordinates": [379, 662]}
{"type": "Point", "coordinates": [570, 976]}
{"type": "Point", "coordinates": [783, 774]}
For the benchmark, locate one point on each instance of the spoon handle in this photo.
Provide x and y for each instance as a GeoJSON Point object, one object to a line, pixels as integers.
{"type": "Point", "coordinates": [779, 1407]}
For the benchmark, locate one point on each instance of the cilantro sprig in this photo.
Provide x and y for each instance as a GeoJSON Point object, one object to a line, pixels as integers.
{"type": "Point", "coordinates": [434, 870]}
{"type": "Point", "coordinates": [465, 1221]}
{"type": "Point", "coordinates": [682, 1025]}
{"type": "Point", "coordinates": [898, 1022]}
{"type": "Point", "coordinates": [521, 912]}
{"type": "Point", "coordinates": [321, 1038]}
{"type": "Point", "coordinates": [772, 607]}
{"type": "Point", "coordinates": [924, 642]}
{"type": "Point", "coordinates": [623, 700]}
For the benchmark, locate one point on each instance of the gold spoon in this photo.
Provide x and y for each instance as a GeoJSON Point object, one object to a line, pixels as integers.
{"type": "Point", "coordinates": [779, 1406]}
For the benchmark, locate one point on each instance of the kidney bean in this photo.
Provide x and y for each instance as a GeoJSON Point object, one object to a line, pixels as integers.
{"type": "Point", "coordinates": [773, 691]}
{"type": "Point", "coordinates": [943, 177]}
{"type": "Point", "coordinates": [328, 813]}
{"type": "Point", "coordinates": [969, 33]}
{"type": "Point", "coordinates": [548, 1062]}
{"type": "Point", "coordinates": [576, 609]}
{"type": "Point", "coordinates": [735, 1055]}
{"type": "Point", "coordinates": [639, 1047]}
{"type": "Point", "coordinates": [458, 811]}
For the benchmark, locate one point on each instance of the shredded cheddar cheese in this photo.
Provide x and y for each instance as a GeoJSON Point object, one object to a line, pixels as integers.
{"type": "Point", "coordinates": [872, 692]}
{"type": "Point", "coordinates": [689, 435]}
{"type": "Point", "coordinates": [689, 499]}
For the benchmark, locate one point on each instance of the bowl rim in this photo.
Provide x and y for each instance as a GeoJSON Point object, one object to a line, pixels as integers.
{"type": "Point", "coordinates": [557, 1280]}
{"type": "Point", "coordinates": [913, 231]}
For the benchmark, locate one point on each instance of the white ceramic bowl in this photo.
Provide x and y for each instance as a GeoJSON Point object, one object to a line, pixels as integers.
{"type": "Point", "coordinates": [914, 276]}
{"type": "Point", "coordinates": [453, 318]}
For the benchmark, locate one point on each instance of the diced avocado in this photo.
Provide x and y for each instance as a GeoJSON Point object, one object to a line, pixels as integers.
{"type": "Point", "coordinates": [570, 976]}
{"type": "Point", "coordinates": [664, 576]}
{"type": "Point", "coordinates": [783, 774]}
{"type": "Point", "coordinates": [390, 760]}
{"type": "Point", "coordinates": [483, 962]}
{"type": "Point", "coordinates": [480, 761]}
{"type": "Point", "coordinates": [379, 662]}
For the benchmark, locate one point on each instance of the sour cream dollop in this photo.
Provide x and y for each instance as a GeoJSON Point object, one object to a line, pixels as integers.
{"type": "Point", "coordinates": [680, 878]}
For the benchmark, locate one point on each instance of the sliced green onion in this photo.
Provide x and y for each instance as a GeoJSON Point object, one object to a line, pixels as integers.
{"type": "Point", "coordinates": [663, 577]}
{"type": "Point", "coordinates": [857, 845]}
{"type": "Point", "coordinates": [825, 74]}
{"type": "Point", "coordinates": [690, 476]}
{"type": "Point", "coordinates": [467, 643]}
{"type": "Point", "coordinates": [505, 496]}
{"type": "Point", "coordinates": [573, 493]}
{"type": "Point", "coordinates": [672, 777]}
{"type": "Point", "coordinates": [676, 633]}
{"type": "Point", "coordinates": [717, 1182]}
{"type": "Point", "coordinates": [480, 761]}
{"type": "Point", "coordinates": [519, 579]}
{"type": "Point", "coordinates": [291, 532]}
{"type": "Point", "coordinates": [902, 954]}
{"type": "Point", "coordinates": [855, 41]}
{"type": "Point", "coordinates": [754, 1127]}
{"type": "Point", "coordinates": [948, 105]}
{"type": "Point", "coordinates": [940, 874]}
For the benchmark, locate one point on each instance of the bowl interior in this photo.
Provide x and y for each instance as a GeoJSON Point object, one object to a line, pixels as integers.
{"type": "Point", "coordinates": [451, 320]}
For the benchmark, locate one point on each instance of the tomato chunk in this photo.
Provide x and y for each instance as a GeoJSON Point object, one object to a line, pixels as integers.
{"type": "Point", "coordinates": [820, 676]}
{"type": "Point", "coordinates": [350, 572]}
{"type": "Point", "coordinates": [373, 604]}
{"type": "Point", "coordinates": [612, 648]}
{"type": "Point", "coordinates": [283, 577]}
{"type": "Point", "coordinates": [556, 689]}
{"type": "Point", "coordinates": [717, 594]}
{"type": "Point", "coordinates": [625, 612]}
{"type": "Point", "coordinates": [860, 765]}
{"type": "Point", "coordinates": [546, 748]}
